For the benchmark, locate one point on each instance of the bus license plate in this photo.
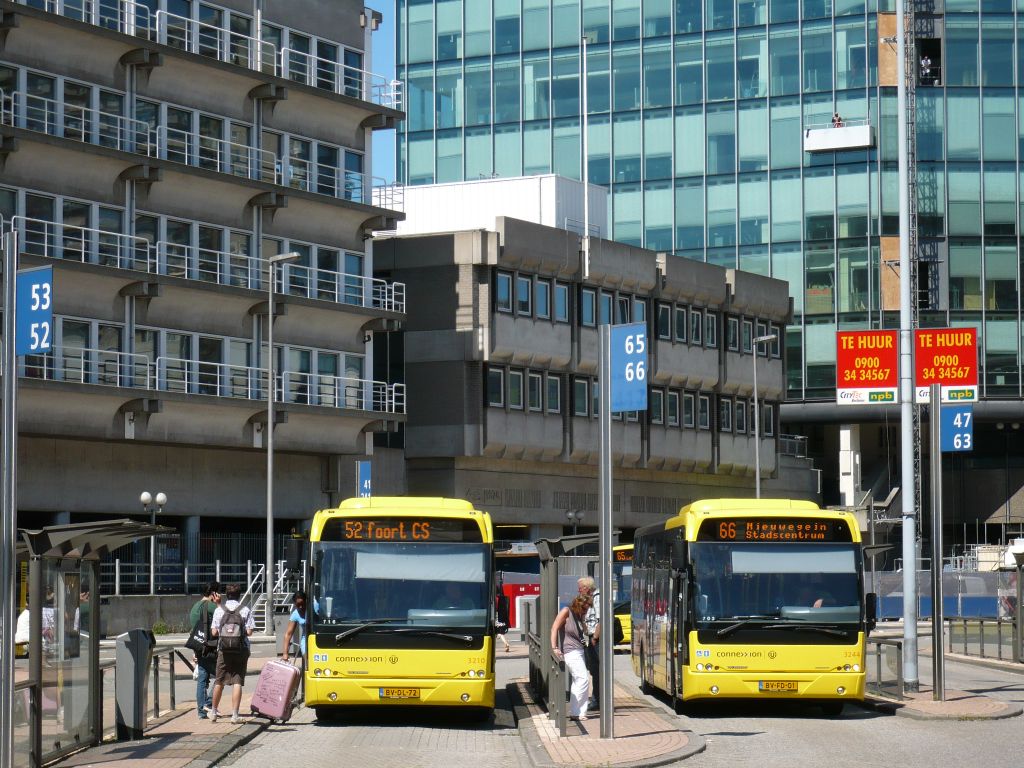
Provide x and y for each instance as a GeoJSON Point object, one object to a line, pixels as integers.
{"type": "Point", "coordinates": [399, 693]}
{"type": "Point", "coordinates": [777, 686]}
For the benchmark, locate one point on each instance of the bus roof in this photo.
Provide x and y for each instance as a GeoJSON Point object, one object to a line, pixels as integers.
{"type": "Point", "coordinates": [621, 547]}
{"type": "Point", "coordinates": [693, 512]}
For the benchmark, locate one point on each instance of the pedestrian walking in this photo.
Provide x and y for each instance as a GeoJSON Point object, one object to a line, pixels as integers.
{"type": "Point", "coordinates": [592, 626]}
{"type": "Point", "coordinates": [569, 622]}
{"type": "Point", "coordinates": [232, 625]}
{"type": "Point", "coordinates": [205, 655]}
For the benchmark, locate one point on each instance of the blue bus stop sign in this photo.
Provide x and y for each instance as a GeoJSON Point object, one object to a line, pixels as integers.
{"type": "Point", "coordinates": [957, 425]}
{"type": "Point", "coordinates": [365, 487]}
{"type": "Point", "coordinates": [629, 367]}
{"type": "Point", "coordinates": [33, 332]}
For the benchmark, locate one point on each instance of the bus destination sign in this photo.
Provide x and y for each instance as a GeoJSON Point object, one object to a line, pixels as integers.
{"type": "Point", "coordinates": [948, 357]}
{"type": "Point", "coordinates": [867, 367]}
{"type": "Point", "coordinates": [623, 556]}
{"type": "Point", "coordinates": [795, 529]}
{"type": "Point", "coordinates": [400, 529]}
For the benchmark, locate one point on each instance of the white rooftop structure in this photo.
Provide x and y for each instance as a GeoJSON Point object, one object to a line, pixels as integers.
{"type": "Point", "coordinates": [551, 200]}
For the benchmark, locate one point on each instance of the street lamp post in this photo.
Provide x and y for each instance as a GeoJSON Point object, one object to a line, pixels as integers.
{"type": "Point", "coordinates": [574, 516]}
{"type": "Point", "coordinates": [147, 500]}
{"type": "Point", "coordinates": [268, 574]}
{"type": "Point", "coordinates": [1019, 617]}
{"type": "Point", "coordinates": [758, 341]}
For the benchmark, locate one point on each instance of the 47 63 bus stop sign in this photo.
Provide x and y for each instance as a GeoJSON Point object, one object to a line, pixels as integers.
{"type": "Point", "coordinates": [867, 367]}
{"type": "Point", "coordinates": [948, 357]}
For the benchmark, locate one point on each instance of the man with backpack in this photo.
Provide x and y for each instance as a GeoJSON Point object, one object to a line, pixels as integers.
{"type": "Point", "coordinates": [232, 625]}
{"type": "Point", "coordinates": [205, 656]}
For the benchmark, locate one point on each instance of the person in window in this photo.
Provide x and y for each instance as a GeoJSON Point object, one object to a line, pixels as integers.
{"type": "Point", "coordinates": [926, 67]}
{"type": "Point", "coordinates": [837, 121]}
{"type": "Point", "coordinates": [453, 597]}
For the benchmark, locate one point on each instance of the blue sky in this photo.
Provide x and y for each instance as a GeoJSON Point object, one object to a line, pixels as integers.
{"type": "Point", "coordinates": [384, 64]}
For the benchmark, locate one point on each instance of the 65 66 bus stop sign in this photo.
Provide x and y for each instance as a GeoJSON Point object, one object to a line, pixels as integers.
{"type": "Point", "coordinates": [629, 367]}
{"type": "Point", "coordinates": [867, 367]}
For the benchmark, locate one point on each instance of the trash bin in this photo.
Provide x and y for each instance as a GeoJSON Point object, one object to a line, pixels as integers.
{"type": "Point", "coordinates": [132, 659]}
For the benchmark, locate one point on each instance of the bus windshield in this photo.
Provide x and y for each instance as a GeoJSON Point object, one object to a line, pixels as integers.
{"type": "Point", "coordinates": [395, 585]}
{"type": "Point", "coordinates": [775, 582]}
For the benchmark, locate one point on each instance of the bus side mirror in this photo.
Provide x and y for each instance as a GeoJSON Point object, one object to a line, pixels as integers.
{"type": "Point", "coordinates": [678, 555]}
{"type": "Point", "coordinates": [870, 610]}
{"type": "Point", "coordinates": [293, 551]}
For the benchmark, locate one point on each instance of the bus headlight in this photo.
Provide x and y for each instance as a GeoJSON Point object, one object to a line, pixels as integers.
{"type": "Point", "coordinates": [471, 673]}
{"type": "Point", "coordinates": [856, 667]}
{"type": "Point", "coordinates": [479, 673]}
{"type": "Point", "coordinates": [846, 668]}
{"type": "Point", "coordinates": [317, 672]}
{"type": "Point", "coordinates": [700, 667]}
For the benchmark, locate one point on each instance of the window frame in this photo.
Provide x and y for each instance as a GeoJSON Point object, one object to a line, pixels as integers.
{"type": "Point", "coordinates": [531, 378]}
{"type": "Point", "coordinates": [696, 329]}
{"type": "Point", "coordinates": [588, 300]}
{"type": "Point", "coordinates": [542, 285]}
{"type": "Point", "coordinates": [747, 337]}
{"type": "Point", "coordinates": [681, 312]}
{"type": "Point", "coordinates": [725, 406]}
{"type": "Point", "coordinates": [732, 334]}
{"type": "Point", "coordinates": [710, 329]}
{"type": "Point", "coordinates": [739, 417]}
{"type": "Point", "coordinates": [666, 309]}
{"type": "Point", "coordinates": [515, 374]}
{"type": "Point", "coordinates": [672, 415]}
{"type": "Point", "coordinates": [499, 278]}
{"type": "Point", "coordinates": [577, 398]}
{"type": "Point", "coordinates": [553, 404]}
{"type": "Point", "coordinates": [689, 420]}
{"type": "Point", "coordinates": [563, 290]}
{"type": "Point", "coordinates": [517, 301]}
{"type": "Point", "coordinates": [704, 412]}
{"type": "Point", "coordinates": [768, 419]}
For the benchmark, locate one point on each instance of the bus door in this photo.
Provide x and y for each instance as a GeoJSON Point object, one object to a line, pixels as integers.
{"type": "Point", "coordinates": [678, 615]}
{"type": "Point", "coordinates": [649, 613]}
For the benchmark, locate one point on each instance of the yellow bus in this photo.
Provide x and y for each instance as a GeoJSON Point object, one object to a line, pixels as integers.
{"type": "Point", "coordinates": [622, 573]}
{"type": "Point", "coordinates": [753, 599]}
{"type": "Point", "coordinates": [403, 606]}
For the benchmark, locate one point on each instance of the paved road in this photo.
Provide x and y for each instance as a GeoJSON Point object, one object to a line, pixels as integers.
{"type": "Point", "coordinates": [738, 736]}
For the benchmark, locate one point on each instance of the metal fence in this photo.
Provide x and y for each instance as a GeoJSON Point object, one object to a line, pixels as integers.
{"type": "Point", "coordinates": [986, 638]}
{"type": "Point", "coordinates": [989, 594]}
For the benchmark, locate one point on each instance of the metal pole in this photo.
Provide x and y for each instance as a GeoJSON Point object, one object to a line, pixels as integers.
{"type": "Point", "coordinates": [268, 573]}
{"type": "Point", "coordinates": [9, 504]}
{"type": "Point", "coordinates": [585, 169]}
{"type": "Point", "coordinates": [757, 436]}
{"type": "Point", "coordinates": [935, 445]}
{"type": "Point", "coordinates": [908, 480]}
{"type": "Point", "coordinates": [871, 529]}
{"type": "Point", "coordinates": [1017, 627]}
{"type": "Point", "coordinates": [604, 472]}
{"type": "Point", "coordinates": [152, 553]}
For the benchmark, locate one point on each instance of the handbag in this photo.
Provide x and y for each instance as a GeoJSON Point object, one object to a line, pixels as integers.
{"type": "Point", "coordinates": [200, 640]}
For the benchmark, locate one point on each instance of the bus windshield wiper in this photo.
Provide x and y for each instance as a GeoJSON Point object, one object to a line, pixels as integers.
{"type": "Point", "coordinates": [365, 625]}
{"type": "Point", "coordinates": [744, 620]}
{"type": "Point", "coordinates": [811, 627]}
{"type": "Point", "coordinates": [427, 633]}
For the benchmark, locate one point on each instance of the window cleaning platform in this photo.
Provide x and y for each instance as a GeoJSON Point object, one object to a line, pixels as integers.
{"type": "Point", "coordinates": [852, 134]}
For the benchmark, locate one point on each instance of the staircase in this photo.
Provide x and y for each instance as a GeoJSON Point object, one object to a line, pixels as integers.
{"type": "Point", "coordinates": [285, 585]}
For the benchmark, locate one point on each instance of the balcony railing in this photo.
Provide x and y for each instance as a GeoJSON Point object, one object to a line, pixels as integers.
{"type": "Point", "coordinates": [214, 42]}
{"type": "Point", "coordinates": [68, 121]}
{"type": "Point", "coordinates": [112, 249]}
{"type": "Point", "coordinates": [221, 155]}
{"type": "Point", "coordinates": [303, 67]}
{"type": "Point", "coordinates": [132, 18]}
{"type": "Point", "coordinates": [83, 365]}
{"type": "Point", "coordinates": [111, 368]}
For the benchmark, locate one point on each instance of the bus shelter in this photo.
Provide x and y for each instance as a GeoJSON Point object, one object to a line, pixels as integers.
{"type": "Point", "coordinates": [58, 688]}
{"type": "Point", "coordinates": [562, 562]}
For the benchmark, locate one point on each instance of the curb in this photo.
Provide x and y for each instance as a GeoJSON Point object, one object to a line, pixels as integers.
{"type": "Point", "coordinates": [539, 755]}
{"type": "Point", "coordinates": [902, 709]}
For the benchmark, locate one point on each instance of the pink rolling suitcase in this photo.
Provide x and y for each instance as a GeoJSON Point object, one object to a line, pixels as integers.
{"type": "Point", "coordinates": [275, 690]}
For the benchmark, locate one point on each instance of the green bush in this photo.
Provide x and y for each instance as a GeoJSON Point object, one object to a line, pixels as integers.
{"type": "Point", "coordinates": [161, 628]}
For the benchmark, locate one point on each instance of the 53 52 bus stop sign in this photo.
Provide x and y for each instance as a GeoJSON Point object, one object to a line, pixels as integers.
{"type": "Point", "coordinates": [948, 357]}
{"type": "Point", "coordinates": [867, 367]}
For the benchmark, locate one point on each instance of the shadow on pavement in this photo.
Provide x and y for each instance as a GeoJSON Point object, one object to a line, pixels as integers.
{"type": "Point", "coordinates": [448, 718]}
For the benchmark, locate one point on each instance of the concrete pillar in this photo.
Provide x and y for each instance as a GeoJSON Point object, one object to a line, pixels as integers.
{"type": "Point", "coordinates": [190, 540]}
{"type": "Point", "coordinates": [61, 518]}
{"type": "Point", "coordinates": [849, 464]}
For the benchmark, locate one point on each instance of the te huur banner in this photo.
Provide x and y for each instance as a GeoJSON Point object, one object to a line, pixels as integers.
{"type": "Point", "coordinates": [867, 367]}
{"type": "Point", "coordinates": [947, 357]}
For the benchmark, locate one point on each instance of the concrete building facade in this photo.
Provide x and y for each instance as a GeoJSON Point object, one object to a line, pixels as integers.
{"type": "Point", "coordinates": [157, 154]}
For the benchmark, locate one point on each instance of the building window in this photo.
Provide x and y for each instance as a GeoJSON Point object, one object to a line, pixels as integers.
{"type": "Point", "coordinates": [704, 412]}
{"type": "Point", "coordinates": [542, 292]}
{"type": "Point", "coordinates": [524, 299]}
{"type": "Point", "coordinates": [664, 321]}
{"type": "Point", "coordinates": [587, 301]}
{"type": "Point", "coordinates": [741, 417]}
{"type": "Point", "coordinates": [580, 396]}
{"type": "Point", "coordinates": [762, 330]}
{"type": "Point", "coordinates": [776, 342]}
{"type": "Point", "coordinates": [639, 310]}
{"type": "Point", "coordinates": [724, 414]}
{"type": "Point", "coordinates": [623, 304]}
{"type": "Point", "coordinates": [673, 409]}
{"type": "Point", "coordinates": [536, 383]}
{"type": "Point", "coordinates": [732, 334]}
{"type": "Point", "coordinates": [515, 390]}
{"type": "Point", "coordinates": [710, 329]}
{"type": "Point", "coordinates": [681, 324]}
{"type": "Point", "coordinates": [688, 410]}
{"type": "Point", "coordinates": [595, 401]}
{"type": "Point", "coordinates": [657, 406]}
{"type": "Point", "coordinates": [768, 420]}
{"type": "Point", "coordinates": [696, 321]}
{"type": "Point", "coordinates": [554, 393]}
{"type": "Point", "coordinates": [503, 300]}
{"type": "Point", "coordinates": [748, 336]}
{"type": "Point", "coordinates": [496, 387]}
{"type": "Point", "coordinates": [605, 316]}
{"type": "Point", "coordinates": [561, 302]}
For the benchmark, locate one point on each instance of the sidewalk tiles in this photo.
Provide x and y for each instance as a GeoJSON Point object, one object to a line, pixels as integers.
{"type": "Point", "coordinates": [644, 736]}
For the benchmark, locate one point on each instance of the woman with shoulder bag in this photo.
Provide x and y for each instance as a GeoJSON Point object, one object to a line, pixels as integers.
{"type": "Point", "coordinates": [569, 621]}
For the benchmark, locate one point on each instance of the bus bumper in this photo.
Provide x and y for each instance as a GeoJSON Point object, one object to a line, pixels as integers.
{"type": "Point", "coordinates": [461, 692]}
{"type": "Point", "coordinates": [750, 684]}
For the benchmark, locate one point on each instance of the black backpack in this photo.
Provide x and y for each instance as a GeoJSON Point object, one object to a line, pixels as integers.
{"type": "Point", "coordinates": [232, 631]}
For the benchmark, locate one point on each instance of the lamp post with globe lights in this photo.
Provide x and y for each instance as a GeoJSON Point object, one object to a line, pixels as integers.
{"type": "Point", "coordinates": [153, 505]}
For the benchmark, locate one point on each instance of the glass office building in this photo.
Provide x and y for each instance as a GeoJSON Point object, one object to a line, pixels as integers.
{"type": "Point", "coordinates": [697, 112]}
